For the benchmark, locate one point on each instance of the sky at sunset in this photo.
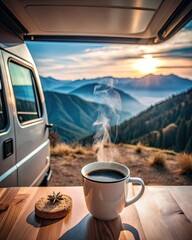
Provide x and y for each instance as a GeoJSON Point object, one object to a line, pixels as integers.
{"type": "Point", "coordinates": [71, 61]}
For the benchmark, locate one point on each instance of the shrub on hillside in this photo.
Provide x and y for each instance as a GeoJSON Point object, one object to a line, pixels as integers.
{"type": "Point", "coordinates": [139, 147]}
{"type": "Point", "coordinates": [185, 162]}
{"type": "Point", "coordinates": [54, 138]}
{"type": "Point", "coordinates": [61, 149]}
{"type": "Point", "coordinates": [158, 159]}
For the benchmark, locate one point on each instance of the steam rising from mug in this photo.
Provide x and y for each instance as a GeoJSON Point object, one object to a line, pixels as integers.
{"type": "Point", "coordinates": [108, 115]}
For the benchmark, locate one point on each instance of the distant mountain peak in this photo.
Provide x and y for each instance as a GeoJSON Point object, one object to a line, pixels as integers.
{"type": "Point", "coordinates": [151, 75]}
{"type": "Point", "coordinates": [172, 75]}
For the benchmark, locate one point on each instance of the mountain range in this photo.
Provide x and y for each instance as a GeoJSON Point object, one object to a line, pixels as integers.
{"type": "Point", "coordinates": [155, 82]}
{"type": "Point", "coordinates": [73, 117]}
{"type": "Point", "coordinates": [149, 82]}
{"type": "Point", "coordinates": [73, 107]}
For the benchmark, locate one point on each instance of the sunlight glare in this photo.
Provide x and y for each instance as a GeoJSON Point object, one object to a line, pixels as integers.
{"type": "Point", "coordinates": [147, 64]}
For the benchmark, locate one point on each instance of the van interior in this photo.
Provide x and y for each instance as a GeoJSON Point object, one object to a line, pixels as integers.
{"type": "Point", "coordinates": [122, 21]}
{"type": "Point", "coordinates": [142, 22]}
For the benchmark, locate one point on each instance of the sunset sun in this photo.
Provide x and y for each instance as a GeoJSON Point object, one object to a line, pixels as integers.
{"type": "Point", "coordinates": [147, 64]}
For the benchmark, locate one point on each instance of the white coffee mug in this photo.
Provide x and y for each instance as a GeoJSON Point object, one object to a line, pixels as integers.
{"type": "Point", "coordinates": [106, 197]}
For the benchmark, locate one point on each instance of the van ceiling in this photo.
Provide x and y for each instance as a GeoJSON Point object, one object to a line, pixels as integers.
{"type": "Point", "coordinates": [122, 21]}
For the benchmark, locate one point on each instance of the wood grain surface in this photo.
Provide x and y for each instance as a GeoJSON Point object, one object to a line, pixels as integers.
{"type": "Point", "coordinates": [162, 213]}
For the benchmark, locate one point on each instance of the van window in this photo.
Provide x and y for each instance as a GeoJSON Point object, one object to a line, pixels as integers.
{"type": "Point", "coordinates": [27, 102]}
{"type": "Point", "coordinates": [3, 120]}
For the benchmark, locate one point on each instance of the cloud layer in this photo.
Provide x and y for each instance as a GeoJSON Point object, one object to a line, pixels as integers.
{"type": "Point", "coordinates": [68, 61]}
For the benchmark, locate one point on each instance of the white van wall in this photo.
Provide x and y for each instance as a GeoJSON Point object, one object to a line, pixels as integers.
{"type": "Point", "coordinates": [26, 141]}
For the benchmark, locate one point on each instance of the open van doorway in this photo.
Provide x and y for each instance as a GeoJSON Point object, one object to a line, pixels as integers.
{"type": "Point", "coordinates": [138, 23]}
{"type": "Point", "coordinates": [154, 85]}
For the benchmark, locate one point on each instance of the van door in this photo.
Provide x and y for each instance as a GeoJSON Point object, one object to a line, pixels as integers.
{"type": "Point", "coordinates": [29, 114]}
{"type": "Point", "coordinates": [8, 169]}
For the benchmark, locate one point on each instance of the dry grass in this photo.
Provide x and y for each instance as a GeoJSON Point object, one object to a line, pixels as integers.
{"type": "Point", "coordinates": [66, 169]}
{"type": "Point", "coordinates": [166, 151]}
{"type": "Point", "coordinates": [158, 159]}
{"type": "Point", "coordinates": [145, 148]}
{"type": "Point", "coordinates": [171, 152]}
{"type": "Point", "coordinates": [108, 145]}
{"type": "Point", "coordinates": [60, 150]}
{"type": "Point", "coordinates": [185, 162]}
{"type": "Point", "coordinates": [64, 149]}
{"type": "Point", "coordinates": [139, 147]}
{"type": "Point", "coordinates": [79, 150]}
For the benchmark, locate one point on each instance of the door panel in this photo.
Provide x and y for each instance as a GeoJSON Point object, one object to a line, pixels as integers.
{"type": "Point", "coordinates": [8, 170]}
{"type": "Point", "coordinates": [30, 118]}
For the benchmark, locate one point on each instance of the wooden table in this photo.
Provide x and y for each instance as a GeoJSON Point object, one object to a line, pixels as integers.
{"type": "Point", "coordinates": [163, 213]}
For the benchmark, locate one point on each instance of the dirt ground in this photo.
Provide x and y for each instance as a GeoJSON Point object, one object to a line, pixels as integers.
{"type": "Point", "coordinates": [66, 170]}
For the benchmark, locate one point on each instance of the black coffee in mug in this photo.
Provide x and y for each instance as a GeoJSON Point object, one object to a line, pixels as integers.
{"type": "Point", "coordinates": [105, 175]}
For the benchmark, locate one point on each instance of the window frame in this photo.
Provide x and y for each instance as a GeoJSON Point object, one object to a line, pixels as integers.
{"type": "Point", "coordinates": [37, 96]}
{"type": "Point", "coordinates": [4, 105]}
